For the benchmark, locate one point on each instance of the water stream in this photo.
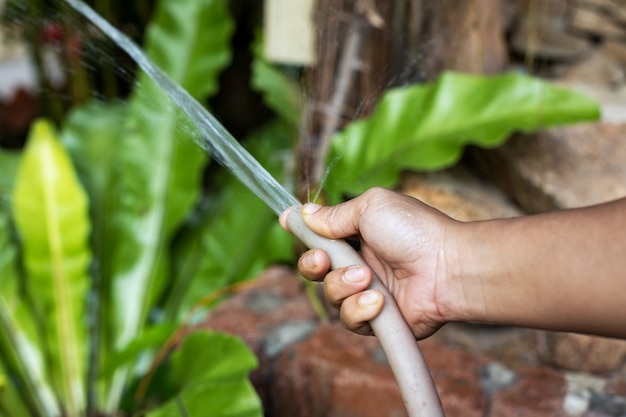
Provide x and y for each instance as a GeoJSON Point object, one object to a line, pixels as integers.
{"type": "Point", "coordinates": [213, 137]}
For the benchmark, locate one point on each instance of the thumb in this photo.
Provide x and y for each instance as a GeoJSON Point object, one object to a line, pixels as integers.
{"type": "Point", "coordinates": [336, 222]}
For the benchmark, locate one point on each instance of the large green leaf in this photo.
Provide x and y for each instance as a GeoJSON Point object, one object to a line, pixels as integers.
{"type": "Point", "coordinates": [51, 216]}
{"type": "Point", "coordinates": [159, 169]}
{"type": "Point", "coordinates": [91, 135]}
{"type": "Point", "coordinates": [20, 344]}
{"type": "Point", "coordinates": [236, 236]}
{"type": "Point", "coordinates": [425, 127]}
{"type": "Point", "coordinates": [211, 369]}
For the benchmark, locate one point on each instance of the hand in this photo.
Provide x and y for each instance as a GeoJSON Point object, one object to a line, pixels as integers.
{"type": "Point", "coordinates": [403, 241]}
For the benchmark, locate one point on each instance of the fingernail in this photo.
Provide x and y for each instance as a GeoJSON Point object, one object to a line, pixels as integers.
{"type": "Point", "coordinates": [313, 260]}
{"type": "Point", "coordinates": [310, 208]}
{"type": "Point", "coordinates": [353, 275]}
{"type": "Point", "coordinates": [369, 297]}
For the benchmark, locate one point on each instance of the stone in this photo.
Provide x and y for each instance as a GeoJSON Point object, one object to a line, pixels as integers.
{"type": "Point", "coordinates": [285, 335]}
{"type": "Point", "coordinates": [509, 346]}
{"type": "Point", "coordinates": [583, 353]}
{"type": "Point", "coordinates": [617, 50]}
{"type": "Point", "coordinates": [457, 375]}
{"type": "Point", "coordinates": [331, 374]}
{"type": "Point", "coordinates": [608, 404]}
{"type": "Point", "coordinates": [595, 23]}
{"type": "Point", "coordinates": [614, 8]}
{"type": "Point", "coordinates": [539, 392]}
{"type": "Point", "coordinates": [599, 68]}
{"type": "Point", "coordinates": [496, 377]}
{"type": "Point", "coordinates": [546, 38]}
{"type": "Point", "coordinates": [580, 389]}
{"type": "Point", "coordinates": [559, 168]}
{"type": "Point", "coordinates": [459, 194]}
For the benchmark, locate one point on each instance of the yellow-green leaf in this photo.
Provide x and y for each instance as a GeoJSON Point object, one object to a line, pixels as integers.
{"type": "Point", "coordinates": [51, 216]}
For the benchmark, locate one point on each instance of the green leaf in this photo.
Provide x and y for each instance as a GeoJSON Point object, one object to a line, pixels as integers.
{"type": "Point", "coordinates": [91, 135]}
{"type": "Point", "coordinates": [9, 161]}
{"type": "Point", "coordinates": [236, 236]}
{"type": "Point", "coordinates": [11, 403]}
{"type": "Point", "coordinates": [151, 338]}
{"type": "Point", "coordinates": [20, 344]}
{"type": "Point", "coordinates": [159, 169]}
{"type": "Point", "coordinates": [279, 92]}
{"type": "Point", "coordinates": [212, 370]}
{"type": "Point", "coordinates": [51, 215]}
{"type": "Point", "coordinates": [425, 127]}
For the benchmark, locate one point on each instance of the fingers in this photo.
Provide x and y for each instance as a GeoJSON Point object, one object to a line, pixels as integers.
{"type": "Point", "coordinates": [345, 282]}
{"type": "Point", "coordinates": [357, 310]}
{"type": "Point", "coordinates": [335, 222]}
{"type": "Point", "coordinates": [314, 264]}
{"type": "Point", "coordinates": [345, 289]}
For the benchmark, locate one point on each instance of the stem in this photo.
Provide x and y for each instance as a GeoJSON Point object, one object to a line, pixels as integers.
{"type": "Point", "coordinates": [395, 336]}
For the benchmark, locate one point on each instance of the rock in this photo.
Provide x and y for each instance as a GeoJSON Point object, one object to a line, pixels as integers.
{"type": "Point", "coordinates": [457, 375]}
{"type": "Point", "coordinates": [614, 8]}
{"type": "Point", "coordinates": [560, 168]}
{"type": "Point", "coordinates": [286, 334]}
{"type": "Point", "coordinates": [459, 194]}
{"type": "Point", "coordinates": [607, 404]}
{"type": "Point", "coordinates": [595, 23]}
{"type": "Point", "coordinates": [599, 68]}
{"type": "Point", "coordinates": [582, 353]}
{"type": "Point", "coordinates": [546, 38]}
{"type": "Point", "coordinates": [332, 374]}
{"type": "Point", "coordinates": [580, 389]}
{"type": "Point", "coordinates": [617, 50]}
{"type": "Point", "coordinates": [496, 377]}
{"type": "Point", "coordinates": [538, 393]}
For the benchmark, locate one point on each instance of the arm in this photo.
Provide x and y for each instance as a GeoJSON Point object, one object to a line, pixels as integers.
{"type": "Point", "coordinates": [562, 271]}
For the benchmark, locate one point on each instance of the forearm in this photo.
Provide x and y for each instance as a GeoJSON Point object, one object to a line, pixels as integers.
{"type": "Point", "coordinates": [561, 271]}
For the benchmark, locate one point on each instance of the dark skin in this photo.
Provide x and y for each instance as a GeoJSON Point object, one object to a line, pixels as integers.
{"type": "Point", "coordinates": [560, 271]}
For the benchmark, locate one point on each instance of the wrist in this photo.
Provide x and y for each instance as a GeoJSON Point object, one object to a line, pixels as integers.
{"type": "Point", "coordinates": [467, 258]}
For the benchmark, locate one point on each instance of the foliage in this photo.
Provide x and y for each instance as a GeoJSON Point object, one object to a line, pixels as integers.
{"type": "Point", "coordinates": [219, 372]}
{"type": "Point", "coordinates": [48, 197]}
{"type": "Point", "coordinates": [425, 127]}
{"type": "Point", "coordinates": [140, 183]}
